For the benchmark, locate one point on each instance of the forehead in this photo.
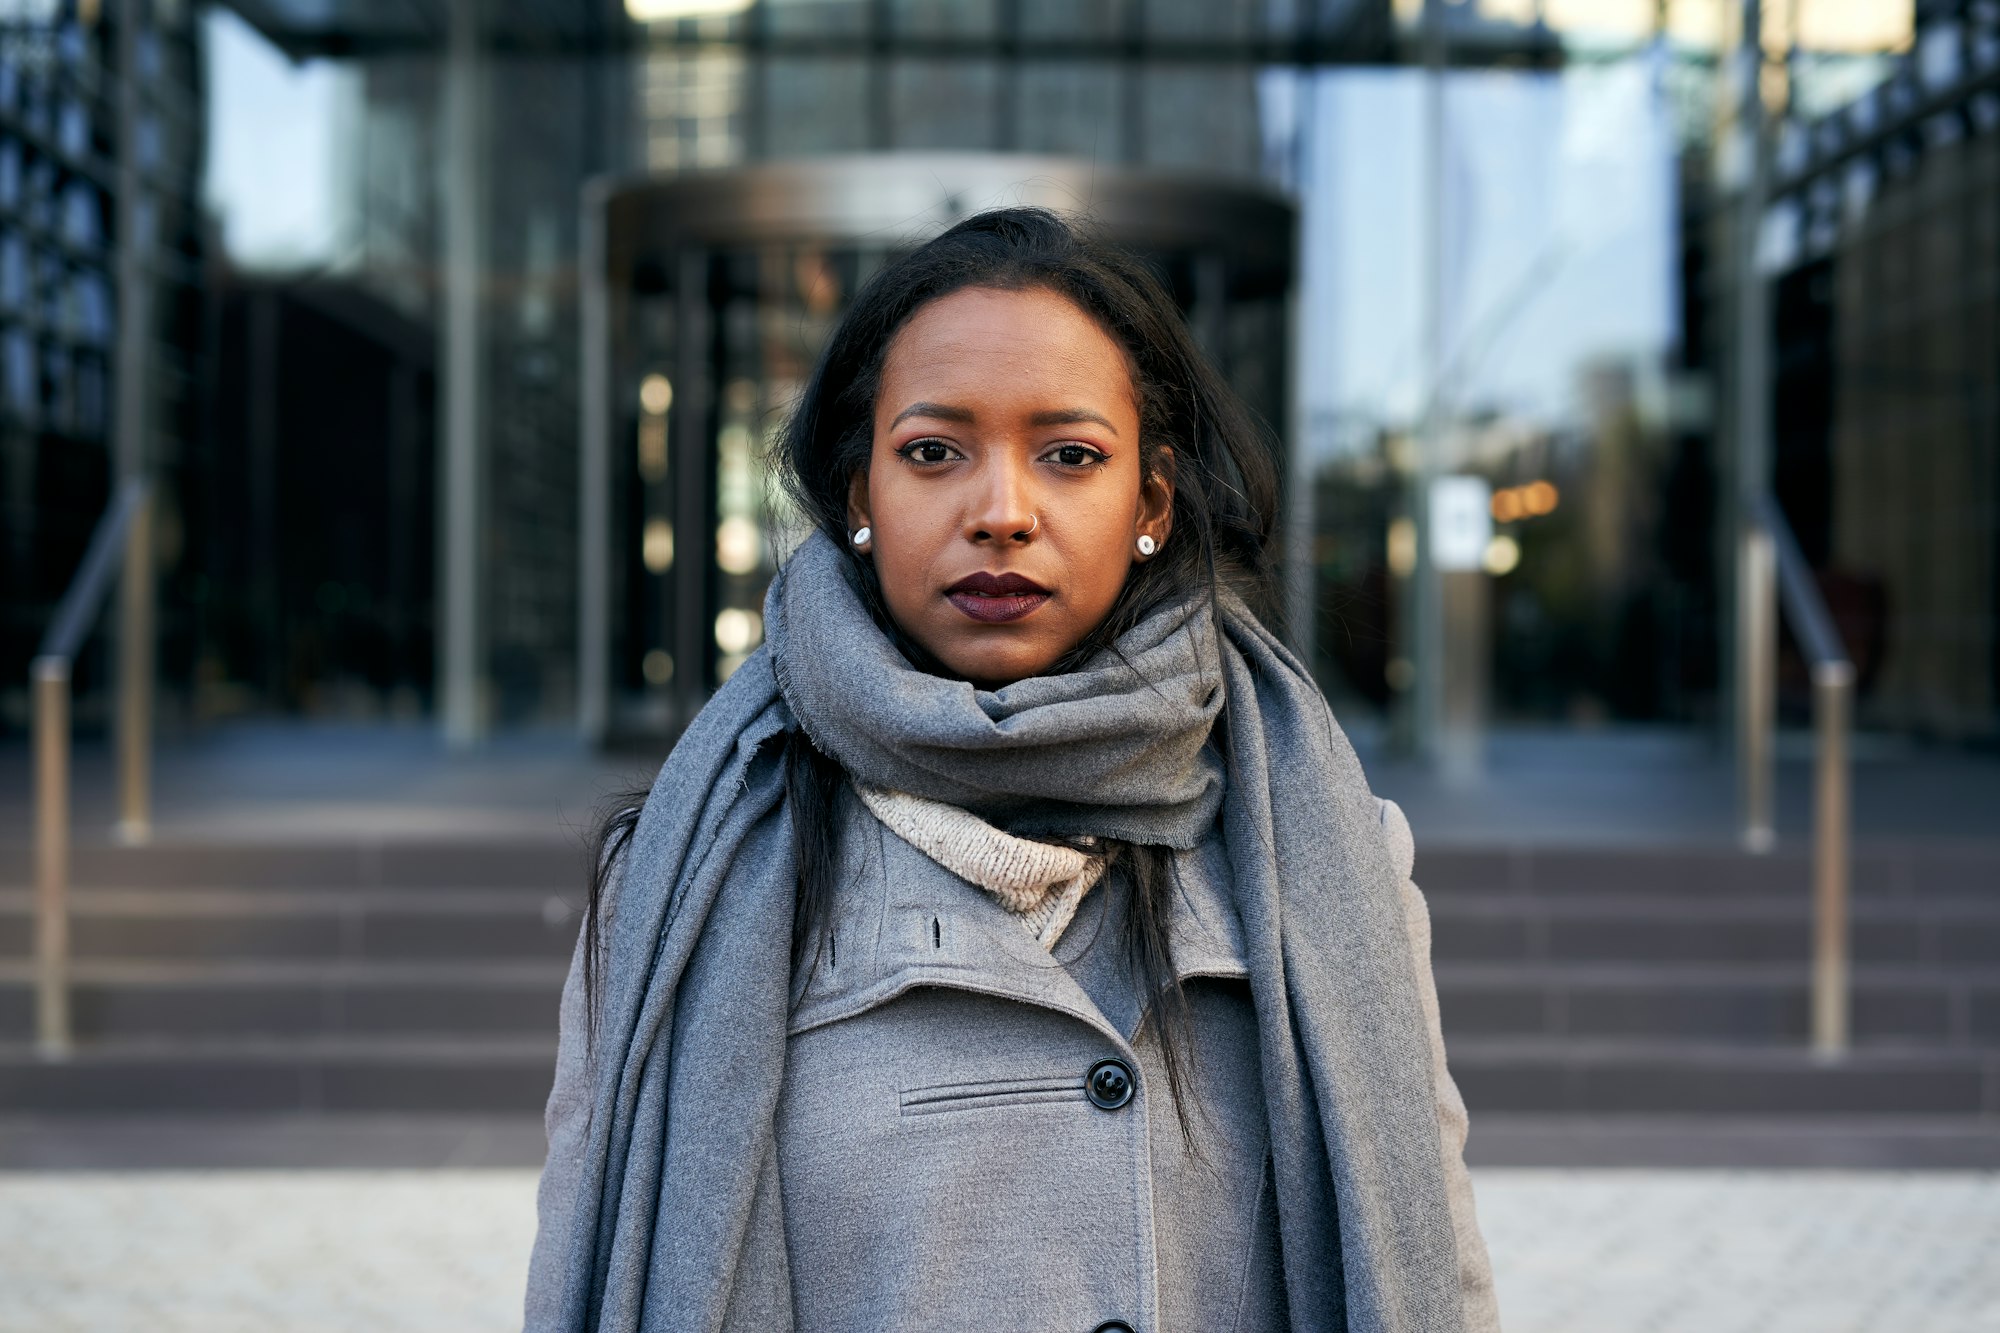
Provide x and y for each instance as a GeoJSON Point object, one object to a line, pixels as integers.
{"type": "Point", "coordinates": [992, 347]}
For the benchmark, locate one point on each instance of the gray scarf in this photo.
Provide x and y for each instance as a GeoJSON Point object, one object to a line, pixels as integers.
{"type": "Point", "coordinates": [678, 1219]}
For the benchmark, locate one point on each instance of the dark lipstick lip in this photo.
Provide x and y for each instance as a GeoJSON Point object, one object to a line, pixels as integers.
{"type": "Point", "coordinates": [997, 610]}
{"type": "Point", "coordinates": [995, 599]}
{"type": "Point", "coordinates": [984, 584]}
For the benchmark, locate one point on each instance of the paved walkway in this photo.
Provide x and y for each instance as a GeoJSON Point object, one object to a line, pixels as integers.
{"type": "Point", "coordinates": [257, 1252]}
{"type": "Point", "coordinates": [444, 1251]}
{"type": "Point", "coordinates": [1744, 1252]}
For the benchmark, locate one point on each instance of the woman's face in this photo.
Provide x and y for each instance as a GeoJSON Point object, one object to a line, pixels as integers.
{"type": "Point", "coordinates": [1003, 496]}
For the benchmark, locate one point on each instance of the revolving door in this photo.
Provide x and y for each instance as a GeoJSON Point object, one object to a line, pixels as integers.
{"type": "Point", "coordinates": [706, 298]}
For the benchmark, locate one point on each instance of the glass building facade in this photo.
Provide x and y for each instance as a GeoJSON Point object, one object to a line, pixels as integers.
{"type": "Point", "coordinates": [1521, 246]}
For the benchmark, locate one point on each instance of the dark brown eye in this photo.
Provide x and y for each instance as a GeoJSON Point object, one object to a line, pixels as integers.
{"type": "Point", "coordinates": [926, 451]}
{"type": "Point", "coordinates": [1076, 455]}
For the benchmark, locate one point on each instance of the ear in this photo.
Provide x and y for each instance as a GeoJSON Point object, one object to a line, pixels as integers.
{"type": "Point", "coordinates": [1156, 500]}
{"type": "Point", "coordinates": [857, 502]}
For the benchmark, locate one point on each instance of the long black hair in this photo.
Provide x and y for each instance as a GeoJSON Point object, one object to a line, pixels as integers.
{"type": "Point", "coordinates": [1193, 430]}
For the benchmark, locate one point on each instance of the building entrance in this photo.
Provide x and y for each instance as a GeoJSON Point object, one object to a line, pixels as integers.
{"type": "Point", "coordinates": [706, 299]}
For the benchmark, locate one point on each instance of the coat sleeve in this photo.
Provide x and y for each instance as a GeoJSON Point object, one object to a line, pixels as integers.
{"type": "Point", "coordinates": [1475, 1271]}
{"type": "Point", "coordinates": [567, 1123]}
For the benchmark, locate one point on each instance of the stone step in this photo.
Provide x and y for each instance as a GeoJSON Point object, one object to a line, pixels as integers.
{"type": "Point", "coordinates": [424, 976]}
{"type": "Point", "coordinates": [1932, 1142]}
{"type": "Point", "coordinates": [1624, 1076]}
{"type": "Point", "coordinates": [245, 923]}
{"type": "Point", "coordinates": [250, 924]}
{"type": "Point", "coordinates": [491, 1075]}
{"type": "Point", "coordinates": [1661, 928]}
{"type": "Point", "coordinates": [1929, 868]}
{"type": "Point", "coordinates": [119, 1001]}
{"type": "Point", "coordinates": [498, 1075]}
{"type": "Point", "coordinates": [414, 864]}
{"type": "Point", "coordinates": [1739, 1003]}
{"type": "Point", "coordinates": [122, 1000]}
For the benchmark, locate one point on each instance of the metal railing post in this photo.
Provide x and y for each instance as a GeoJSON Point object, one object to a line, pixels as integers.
{"type": "Point", "coordinates": [51, 741]}
{"type": "Point", "coordinates": [1833, 700]}
{"type": "Point", "coordinates": [123, 527]}
{"type": "Point", "coordinates": [135, 679]}
{"type": "Point", "coordinates": [1833, 683]}
{"type": "Point", "coordinates": [1757, 626]}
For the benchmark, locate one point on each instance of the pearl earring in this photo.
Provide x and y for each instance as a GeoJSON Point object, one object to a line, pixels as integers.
{"type": "Point", "coordinates": [861, 536]}
{"type": "Point", "coordinates": [1147, 545]}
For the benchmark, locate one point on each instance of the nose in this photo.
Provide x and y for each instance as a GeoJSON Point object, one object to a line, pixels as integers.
{"type": "Point", "coordinates": [1003, 510]}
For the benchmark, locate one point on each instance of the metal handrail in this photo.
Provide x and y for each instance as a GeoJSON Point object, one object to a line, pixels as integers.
{"type": "Point", "coordinates": [122, 533]}
{"type": "Point", "coordinates": [1778, 572]}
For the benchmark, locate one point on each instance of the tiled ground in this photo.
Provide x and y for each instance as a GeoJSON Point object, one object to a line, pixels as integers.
{"type": "Point", "coordinates": [232, 1252]}
{"type": "Point", "coordinates": [1744, 1252]}
{"type": "Point", "coordinates": [442, 1251]}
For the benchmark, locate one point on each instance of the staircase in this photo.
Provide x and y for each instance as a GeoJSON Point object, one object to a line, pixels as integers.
{"type": "Point", "coordinates": [1675, 982]}
{"type": "Point", "coordinates": [401, 976]}
{"type": "Point", "coordinates": [423, 976]}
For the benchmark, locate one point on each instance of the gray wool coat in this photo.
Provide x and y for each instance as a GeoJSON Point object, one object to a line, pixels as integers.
{"type": "Point", "coordinates": [942, 1164]}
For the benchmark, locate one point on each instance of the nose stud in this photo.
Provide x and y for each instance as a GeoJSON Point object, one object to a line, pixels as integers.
{"type": "Point", "coordinates": [1147, 545]}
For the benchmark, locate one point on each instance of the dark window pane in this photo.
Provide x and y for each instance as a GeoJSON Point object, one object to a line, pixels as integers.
{"type": "Point", "coordinates": [945, 18]}
{"type": "Point", "coordinates": [1072, 107]}
{"type": "Point", "coordinates": [1201, 116]}
{"type": "Point", "coordinates": [816, 106]}
{"type": "Point", "coordinates": [1069, 18]}
{"type": "Point", "coordinates": [807, 18]}
{"type": "Point", "coordinates": [943, 103]}
{"type": "Point", "coordinates": [1202, 18]}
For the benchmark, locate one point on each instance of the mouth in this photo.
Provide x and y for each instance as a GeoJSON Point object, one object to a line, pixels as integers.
{"type": "Point", "coordinates": [994, 599]}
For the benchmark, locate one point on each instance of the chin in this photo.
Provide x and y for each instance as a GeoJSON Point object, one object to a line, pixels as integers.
{"type": "Point", "coordinates": [991, 670]}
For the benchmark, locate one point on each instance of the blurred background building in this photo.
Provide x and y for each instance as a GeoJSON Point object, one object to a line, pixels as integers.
{"type": "Point", "coordinates": [363, 226]}
{"type": "Point", "coordinates": [449, 334]}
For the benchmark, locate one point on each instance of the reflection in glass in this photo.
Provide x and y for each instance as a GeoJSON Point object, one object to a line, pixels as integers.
{"type": "Point", "coordinates": [1542, 368]}
{"type": "Point", "coordinates": [656, 548]}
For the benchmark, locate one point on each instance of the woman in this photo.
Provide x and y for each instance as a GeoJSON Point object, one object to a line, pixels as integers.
{"type": "Point", "coordinates": [1013, 943]}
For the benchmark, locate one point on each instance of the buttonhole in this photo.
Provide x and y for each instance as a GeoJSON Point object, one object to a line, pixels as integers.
{"type": "Point", "coordinates": [937, 935]}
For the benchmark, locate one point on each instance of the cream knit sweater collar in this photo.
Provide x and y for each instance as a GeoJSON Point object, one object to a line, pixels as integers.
{"type": "Point", "coordinates": [1041, 883]}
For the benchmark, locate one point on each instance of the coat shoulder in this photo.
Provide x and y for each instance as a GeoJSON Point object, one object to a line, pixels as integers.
{"type": "Point", "coordinates": [1402, 843]}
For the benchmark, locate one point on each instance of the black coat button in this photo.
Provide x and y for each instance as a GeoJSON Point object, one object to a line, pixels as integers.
{"type": "Point", "coordinates": [1113, 1326]}
{"type": "Point", "coordinates": [1109, 1086]}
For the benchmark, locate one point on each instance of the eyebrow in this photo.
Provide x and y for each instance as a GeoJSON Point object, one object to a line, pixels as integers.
{"type": "Point", "coordinates": [1061, 416]}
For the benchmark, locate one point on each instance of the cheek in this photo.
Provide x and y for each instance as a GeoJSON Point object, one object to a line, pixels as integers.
{"type": "Point", "coordinates": [1099, 564]}
{"type": "Point", "coordinates": [906, 539]}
